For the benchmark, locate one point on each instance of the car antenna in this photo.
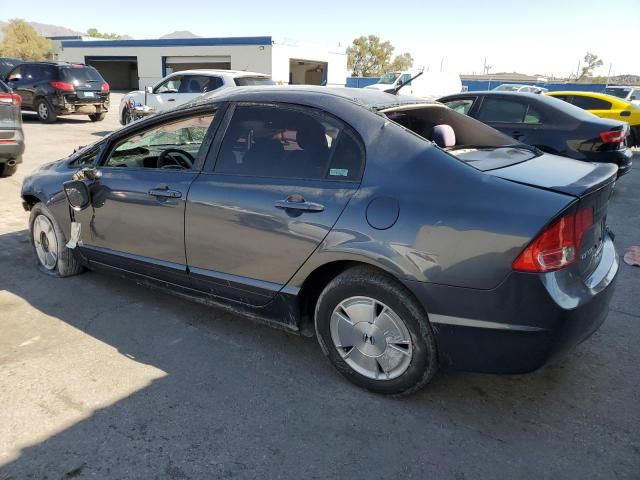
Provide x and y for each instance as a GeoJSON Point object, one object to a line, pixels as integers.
{"type": "Point", "coordinates": [395, 90]}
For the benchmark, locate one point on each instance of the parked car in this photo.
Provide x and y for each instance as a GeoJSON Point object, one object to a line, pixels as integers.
{"type": "Point", "coordinates": [549, 124]}
{"type": "Point", "coordinates": [427, 85]}
{"type": "Point", "coordinates": [52, 89]}
{"type": "Point", "coordinates": [627, 93]}
{"type": "Point", "coordinates": [314, 209]}
{"type": "Point", "coordinates": [11, 135]}
{"type": "Point", "coordinates": [514, 87]}
{"type": "Point", "coordinates": [181, 87]}
{"type": "Point", "coordinates": [606, 106]}
{"type": "Point", "coordinates": [6, 65]}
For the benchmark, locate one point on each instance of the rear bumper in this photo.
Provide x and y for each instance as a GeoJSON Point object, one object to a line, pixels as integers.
{"type": "Point", "coordinates": [521, 325]}
{"type": "Point", "coordinates": [65, 105]}
{"type": "Point", "coordinates": [622, 158]}
{"type": "Point", "coordinates": [11, 145]}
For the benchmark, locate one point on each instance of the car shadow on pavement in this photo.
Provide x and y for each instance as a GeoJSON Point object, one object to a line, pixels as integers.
{"type": "Point", "coordinates": [237, 399]}
{"type": "Point", "coordinates": [30, 117]}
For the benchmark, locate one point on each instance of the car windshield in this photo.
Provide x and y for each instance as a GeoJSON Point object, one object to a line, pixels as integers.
{"type": "Point", "coordinates": [617, 92]}
{"type": "Point", "coordinates": [252, 81]}
{"type": "Point", "coordinates": [508, 88]}
{"type": "Point", "coordinates": [388, 78]}
{"type": "Point", "coordinates": [81, 74]}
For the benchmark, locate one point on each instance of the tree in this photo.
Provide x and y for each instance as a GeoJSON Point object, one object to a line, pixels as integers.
{"type": "Point", "coordinates": [23, 42]}
{"type": "Point", "coordinates": [94, 33]}
{"type": "Point", "coordinates": [591, 62]}
{"type": "Point", "coordinates": [371, 57]}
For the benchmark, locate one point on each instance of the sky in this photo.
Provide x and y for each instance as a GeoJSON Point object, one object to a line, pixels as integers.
{"type": "Point", "coordinates": [534, 37]}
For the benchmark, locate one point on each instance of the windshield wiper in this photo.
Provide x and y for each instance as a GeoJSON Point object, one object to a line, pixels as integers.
{"type": "Point", "coordinates": [521, 146]}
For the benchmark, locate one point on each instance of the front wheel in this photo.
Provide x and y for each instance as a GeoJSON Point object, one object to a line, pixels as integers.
{"type": "Point", "coordinates": [49, 245]}
{"type": "Point", "coordinates": [375, 333]}
{"type": "Point", "coordinates": [97, 117]}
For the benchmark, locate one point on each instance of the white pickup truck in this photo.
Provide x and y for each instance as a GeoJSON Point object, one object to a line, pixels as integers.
{"type": "Point", "coordinates": [181, 87]}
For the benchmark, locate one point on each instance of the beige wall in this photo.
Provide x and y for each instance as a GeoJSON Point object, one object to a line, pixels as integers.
{"type": "Point", "coordinates": [253, 58]}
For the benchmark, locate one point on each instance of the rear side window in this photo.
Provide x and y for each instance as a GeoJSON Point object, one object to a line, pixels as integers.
{"type": "Point", "coordinates": [287, 142]}
{"type": "Point", "coordinates": [508, 111]}
{"type": "Point", "coordinates": [590, 103]}
{"type": "Point", "coordinates": [199, 84]}
{"type": "Point", "coordinates": [80, 74]}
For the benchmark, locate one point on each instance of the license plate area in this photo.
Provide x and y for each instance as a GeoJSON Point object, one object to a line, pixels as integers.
{"type": "Point", "coordinates": [86, 94]}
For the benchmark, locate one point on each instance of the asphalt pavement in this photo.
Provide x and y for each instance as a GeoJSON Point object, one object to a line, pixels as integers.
{"type": "Point", "coordinates": [103, 378]}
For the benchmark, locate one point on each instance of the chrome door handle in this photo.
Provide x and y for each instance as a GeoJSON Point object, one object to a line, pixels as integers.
{"type": "Point", "coordinates": [295, 204]}
{"type": "Point", "coordinates": [164, 192]}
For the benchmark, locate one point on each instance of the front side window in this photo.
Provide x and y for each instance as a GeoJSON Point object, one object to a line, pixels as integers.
{"type": "Point", "coordinates": [283, 142]}
{"type": "Point", "coordinates": [502, 111]}
{"type": "Point", "coordinates": [171, 85]}
{"type": "Point", "coordinates": [405, 78]}
{"type": "Point", "coordinates": [199, 84]}
{"type": "Point", "coordinates": [388, 78]}
{"type": "Point", "coordinates": [172, 145]}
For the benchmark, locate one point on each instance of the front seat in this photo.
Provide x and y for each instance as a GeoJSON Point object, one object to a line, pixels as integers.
{"type": "Point", "coordinates": [264, 158]}
{"type": "Point", "coordinates": [443, 136]}
{"type": "Point", "coordinates": [315, 151]}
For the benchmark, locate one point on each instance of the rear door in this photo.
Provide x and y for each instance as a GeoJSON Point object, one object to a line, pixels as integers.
{"type": "Point", "coordinates": [282, 177]}
{"type": "Point", "coordinates": [512, 116]}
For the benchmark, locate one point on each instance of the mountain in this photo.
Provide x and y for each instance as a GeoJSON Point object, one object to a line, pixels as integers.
{"type": "Point", "coordinates": [181, 34]}
{"type": "Point", "coordinates": [45, 30]}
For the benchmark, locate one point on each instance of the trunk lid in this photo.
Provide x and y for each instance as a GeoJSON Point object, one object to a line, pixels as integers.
{"type": "Point", "coordinates": [590, 183]}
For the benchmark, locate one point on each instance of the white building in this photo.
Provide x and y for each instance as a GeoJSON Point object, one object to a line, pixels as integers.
{"type": "Point", "coordinates": [132, 64]}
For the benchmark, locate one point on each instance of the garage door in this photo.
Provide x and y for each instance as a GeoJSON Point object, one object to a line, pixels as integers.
{"type": "Point", "coordinates": [175, 64]}
{"type": "Point", "coordinates": [121, 73]}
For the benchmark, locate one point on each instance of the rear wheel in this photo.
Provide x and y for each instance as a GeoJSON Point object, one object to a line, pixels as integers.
{"type": "Point", "coordinates": [44, 111]}
{"type": "Point", "coordinates": [97, 117]}
{"type": "Point", "coordinates": [49, 245]}
{"type": "Point", "coordinates": [127, 116]}
{"type": "Point", "coordinates": [375, 333]}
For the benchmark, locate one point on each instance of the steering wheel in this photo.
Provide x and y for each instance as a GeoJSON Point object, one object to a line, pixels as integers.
{"type": "Point", "coordinates": [175, 158]}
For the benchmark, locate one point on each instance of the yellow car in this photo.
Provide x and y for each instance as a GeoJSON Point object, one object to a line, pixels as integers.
{"type": "Point", "coordinates": [606, 106]}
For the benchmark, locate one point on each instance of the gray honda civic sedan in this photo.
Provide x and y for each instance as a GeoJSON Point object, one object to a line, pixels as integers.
{"type": "Point", "coordinates": [404, 235]}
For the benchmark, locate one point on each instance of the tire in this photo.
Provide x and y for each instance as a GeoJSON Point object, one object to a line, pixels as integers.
{"type": "Point", "coordinates": [7, 170]}
{"type": "Point", "coordinates": [65, 263]}
{"type": "Point", "coordinates": [45, 112]}
{"type": "Point", "coordinates": [400, 370]}
{"type": "Point", "coordinates": [97, 117]}
{"type": "Point", "coordinates": [127, 117]}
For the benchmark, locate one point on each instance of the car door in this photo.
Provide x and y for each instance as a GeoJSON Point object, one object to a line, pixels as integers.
{"type": "Point", "coordinates": [166, 95]}
{"type": "Point", "coordinates": [136, 222]}
{"type": "Point", "coordinates": [515, 117]}
{"type": "Point", "coordinates": [21, 85]}
{"type": "Point", "coordinates": [282, 177]}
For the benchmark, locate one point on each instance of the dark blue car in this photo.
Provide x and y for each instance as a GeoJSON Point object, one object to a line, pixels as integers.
{"type": "Point", "coordinates": [406, 236]}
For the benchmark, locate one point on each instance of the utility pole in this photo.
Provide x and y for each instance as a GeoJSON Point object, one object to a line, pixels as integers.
{"type": "Point", "coordinates": [608, 76]}
{"type": "Point", "coordinates": [441, 63]}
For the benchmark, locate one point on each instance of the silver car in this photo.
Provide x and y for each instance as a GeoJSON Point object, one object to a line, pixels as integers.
{"type": "Point", "coordinates": [11, 135]}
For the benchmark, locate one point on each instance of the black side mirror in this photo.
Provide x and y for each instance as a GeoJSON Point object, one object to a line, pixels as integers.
{"type": "Point", "coordinates": [77, 194]}
{"type": "Point", "coordinates": [632, 98]}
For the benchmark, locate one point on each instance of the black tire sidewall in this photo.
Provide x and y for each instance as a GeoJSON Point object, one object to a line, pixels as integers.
{"type": "Point", "coordinates": [7, 171]}
{"type": "Point", "coordinates": [387, 290]}
{"type": "Point", "coordinates": [97, 117]}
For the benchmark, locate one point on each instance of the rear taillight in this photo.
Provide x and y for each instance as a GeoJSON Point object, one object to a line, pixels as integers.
{"type": "Point", "coordinates": [558, 245]}
{"type": "Point", "coordinates": [612, 136]}
{"type": "Point", "coordinates": [63, 86]}
{"type": "Point", "coordinates": [104, 87]}
{"type": "Point", "coordinates": [10, 98]}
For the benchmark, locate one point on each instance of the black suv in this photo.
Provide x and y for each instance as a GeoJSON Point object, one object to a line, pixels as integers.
{"type": "Point", "coordinates": [54, 88]}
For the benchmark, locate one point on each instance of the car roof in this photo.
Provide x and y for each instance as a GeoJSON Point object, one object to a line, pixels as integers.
{"type": "Point", "coordinates": [373, 99]}
{"type": "Point", "coordinates": [213, 71]}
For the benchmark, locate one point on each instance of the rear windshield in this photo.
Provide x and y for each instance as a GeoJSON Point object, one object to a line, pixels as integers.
{"type": "Point", "coordinates": [252, 81]}
{"type": "Point", "coordinates": [617, 92]}
{"type": "Point", "coordinates": [80, 74]}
